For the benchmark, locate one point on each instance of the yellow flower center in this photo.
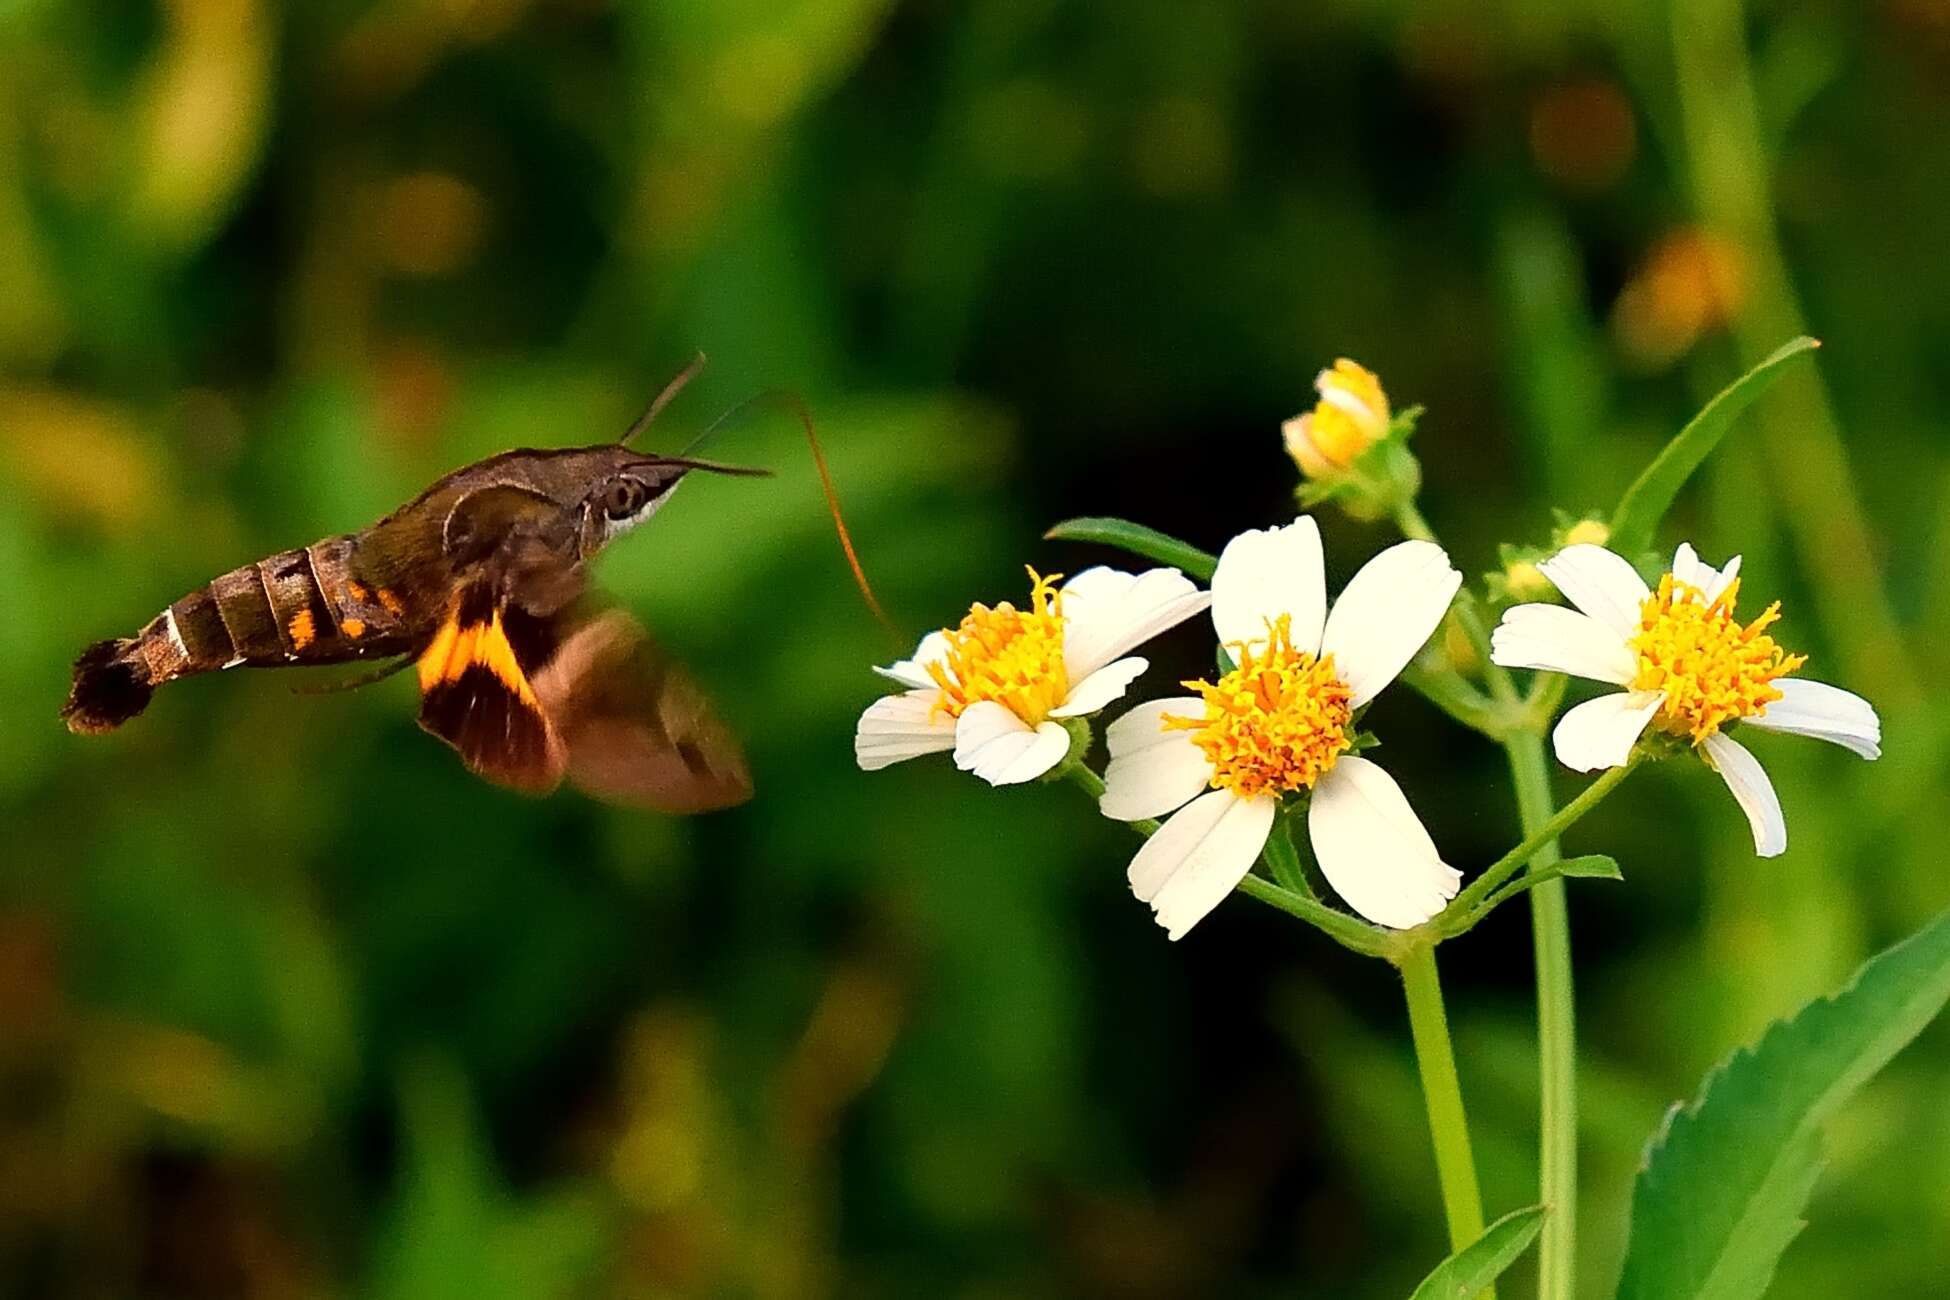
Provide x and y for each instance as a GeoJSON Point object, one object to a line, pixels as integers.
{"type": "Point", "coordinates": [1274, 724]}
{"type": "Point", "coordinates": [1009, 655]}
{"type": "Point", "coordinates": [1713, 671]}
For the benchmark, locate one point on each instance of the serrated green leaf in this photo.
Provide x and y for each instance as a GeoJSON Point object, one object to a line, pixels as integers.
{"type": "Point", "coordinates": [1645, 502]}
{"type": "Point", "coordinates": [1725, 1180]}
{"type": "Point", "coordinates": [1483, 1260]}
{"type": "Point", "coordinates": [1138, 540]}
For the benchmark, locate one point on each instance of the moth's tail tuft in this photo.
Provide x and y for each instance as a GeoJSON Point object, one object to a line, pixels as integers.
{"type": "Point", "coordinates": [109, 688]}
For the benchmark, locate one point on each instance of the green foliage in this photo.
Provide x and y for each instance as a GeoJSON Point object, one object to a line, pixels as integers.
{"type": "Point", "coordinates": [1651, 495]}
{"type": "Point", "coordinates": [452, 1231]}
{"type": "Point", "coordinates": [1727, 1177]}
{"type": "Point", "coordinates": [1482, 1261]}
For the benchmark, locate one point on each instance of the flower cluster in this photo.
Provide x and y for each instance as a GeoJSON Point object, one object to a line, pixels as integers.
{"type": "Point", "coordinates": [1278, 727]}
{"type": "Point", "coordinates": [1275, 737]}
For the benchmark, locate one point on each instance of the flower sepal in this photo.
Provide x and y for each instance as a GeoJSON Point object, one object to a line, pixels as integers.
{"type": "Point", "coordinates": [1081, 739]}
{"type": "Point", "coordinates": [1521, 579]}
{"type": "Point", "coordinates": [1375, 483]}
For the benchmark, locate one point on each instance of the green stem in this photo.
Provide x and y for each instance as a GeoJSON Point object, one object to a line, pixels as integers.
{"type": "Point", "coordinates": [1551, 940]}
{"type": "Point", "coordinates": [1545, 836]}
{"type": "Point", "coordinates": [1093, 785]}
{"type": "Point", "coordinates": [1557, 1031]}
{"type": "Point", "coordinates": [1447, 690]}
{"type": "Point", "coordinates": [1455, 1162]}
{"type": "Point", "coordinates": [1338, 926]}
{"type": "Point", "coordinates": [1409, 518]}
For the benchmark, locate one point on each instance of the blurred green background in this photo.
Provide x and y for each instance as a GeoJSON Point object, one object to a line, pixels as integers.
{"type": "Point", "coordinates": [290, 1006]}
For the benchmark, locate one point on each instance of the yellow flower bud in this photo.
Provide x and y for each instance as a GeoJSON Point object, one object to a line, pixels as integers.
{"type": "Point", "coordinates": [1456, 646]}
{"type": "Point", "coordinates": [1525, 581]}
{"type": "Point", "coordinates": [1593, 532]}
{"type": "Point", "coordinates": [1351, 416]}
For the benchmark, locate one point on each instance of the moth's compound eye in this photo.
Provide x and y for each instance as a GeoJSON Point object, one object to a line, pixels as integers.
{"type": "Point", "coordinates": [623, 498]}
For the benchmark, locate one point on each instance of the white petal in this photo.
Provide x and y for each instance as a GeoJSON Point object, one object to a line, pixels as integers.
{"type": "Point", "coordinates": [1387, 611]}
{"type": "Point", "coordinates": [1107, 612]}
{"type": "Point", "coordinates": [1100, 688]}
{"type": "Point", "coordinates": [914, 672]}
{"type": "Point", "coordinates": [1374, 850]}
{"type": "Point", "coordinates": [1560, 640]}
{"type": "Point", "coordinates": [1600, 583]}
{"type": "Point", "coordinates": [1152, 770]}
{"type": "Point", "coordinates": [1725, 580]}
{"type": "Point", "coordinates": [1755, 793]}
{"type": "Point", "coordinates": [999, 747]}
{"type": "Point", "coordinates": [1687, 567]}
{"type": "Point", "coordinates": [1199, 856]}
{"type": "Point", "coordinates": [1268, 572]}
{"type": "Point", "coordinates": [899, 727]}
{"type": "Point", "coordinates": [1825, 712]}
{"type": "Point", "coordinates": [1601, 732]}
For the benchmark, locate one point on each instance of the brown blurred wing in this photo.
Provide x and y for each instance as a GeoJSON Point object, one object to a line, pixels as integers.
{"type": "Point", "coordinates": [476, 693]}
{"type": "Point", "coordinates": [636, 729]}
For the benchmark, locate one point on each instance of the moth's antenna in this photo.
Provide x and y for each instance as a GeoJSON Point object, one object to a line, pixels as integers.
{"type": "Point", "coordinates": [719, 423]}
{"type": "Point", "coordinates": [671, 389]}
{"type": "Point", "coordinates": [792, 402]}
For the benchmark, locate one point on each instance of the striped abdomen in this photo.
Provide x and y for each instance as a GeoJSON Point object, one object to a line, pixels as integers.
{"type": "Point", "coordinates": [297, 607]}
{"type": "Point", "coordinates": [302, 606]}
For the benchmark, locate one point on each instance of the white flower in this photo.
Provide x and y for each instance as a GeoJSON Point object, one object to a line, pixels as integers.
{"type": "Point", "coordinates": [995, 689]}
{"type": "Point", "coordinates": [1687, 666]}
{"type": "Point", "coordinates": [1280, 722]}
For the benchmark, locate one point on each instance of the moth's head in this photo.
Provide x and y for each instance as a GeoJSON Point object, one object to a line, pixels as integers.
{"type": "Point", "coordinates": [626, 487]}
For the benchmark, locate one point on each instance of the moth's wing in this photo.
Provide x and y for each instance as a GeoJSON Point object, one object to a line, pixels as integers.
{"type": "Point", "coordinates": [521, 541]}
{"type": "Point", "coordinates": [637, 730]}
{"type": "Point", "coordinates": [477, 691]}
{"type": "Point", "coordinates": [482, 518]}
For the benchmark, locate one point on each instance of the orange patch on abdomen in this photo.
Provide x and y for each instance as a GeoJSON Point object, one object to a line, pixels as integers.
{"type": "Point", "coordinates": [303, 631]}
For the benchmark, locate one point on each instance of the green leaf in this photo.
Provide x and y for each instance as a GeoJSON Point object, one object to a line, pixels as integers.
{"type": "Point", "coordinates": [1138, 540]}
{"type": "Point", "coordinates": [1483, 1260]}
{"type": "Point", "coordinates": [1283, 860]}
{"type": "Point", "coordinates": [1591, 866]}
{"type": "Point", "coordinates": [1725, 1180]}
{"type": "Point", "coordinates": [1645, 502]}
